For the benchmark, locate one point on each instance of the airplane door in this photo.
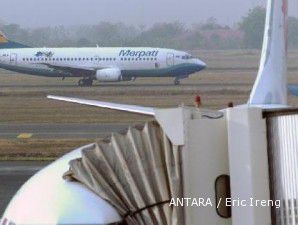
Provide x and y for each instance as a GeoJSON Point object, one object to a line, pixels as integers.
{"type": "Point", "coordinates": [13, 58]}
{"type": "Point", "coordinates": [170, 59]}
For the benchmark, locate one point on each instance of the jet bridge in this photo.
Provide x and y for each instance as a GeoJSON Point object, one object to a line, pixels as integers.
{"type": "Point", "coordinates": [189, 166]}
{"type": "Point", "coordinates": [238, 166]}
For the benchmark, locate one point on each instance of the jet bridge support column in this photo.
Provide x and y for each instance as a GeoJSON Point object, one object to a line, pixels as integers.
{"type": "Point", "coordinates": [203, 137]}
{"type": "Point", "coordinates": [249, 170]}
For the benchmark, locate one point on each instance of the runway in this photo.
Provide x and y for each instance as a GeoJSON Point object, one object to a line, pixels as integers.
{"type": "Point", "coordinates": [58, 131]}
{"type": "Point", "coordinates": [12, 176]}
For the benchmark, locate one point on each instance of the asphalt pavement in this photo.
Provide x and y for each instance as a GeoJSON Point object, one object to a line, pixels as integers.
{"type": "Point", "coordinates": [58, 131]}
{"type": "Point", "coordinates": [12, 176]}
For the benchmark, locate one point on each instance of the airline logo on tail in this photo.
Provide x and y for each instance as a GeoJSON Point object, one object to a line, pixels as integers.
{"type": "Point", "coordinates": [3, 39]}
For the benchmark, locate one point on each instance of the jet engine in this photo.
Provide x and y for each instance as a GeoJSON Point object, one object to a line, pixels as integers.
{"type": "Point", "coordinates": [109, 75]}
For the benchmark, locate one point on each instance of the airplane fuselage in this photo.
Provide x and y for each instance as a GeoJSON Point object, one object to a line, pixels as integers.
{"type": "Point", "coordinates": [87, 62]}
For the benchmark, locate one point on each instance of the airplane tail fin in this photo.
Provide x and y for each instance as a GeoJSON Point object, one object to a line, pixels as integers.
{"type": "Point", "coordinates": [270, 87]}
{"type": "Point", "coordinates": [5, 43]}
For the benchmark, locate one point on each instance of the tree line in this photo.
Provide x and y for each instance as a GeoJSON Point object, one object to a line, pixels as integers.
{"type": "Point", "coordinates": [247, 34]}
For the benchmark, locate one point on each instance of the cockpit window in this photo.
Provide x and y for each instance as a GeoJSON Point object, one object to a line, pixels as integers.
{"type": "Point", "coordinates": [187, 57]}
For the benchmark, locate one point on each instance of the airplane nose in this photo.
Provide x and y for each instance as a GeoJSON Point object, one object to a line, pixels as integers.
{"type": "Point", "coordinates": [201, 65]}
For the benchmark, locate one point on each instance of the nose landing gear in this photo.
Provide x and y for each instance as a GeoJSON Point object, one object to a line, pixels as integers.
{"type": "Point", "coordinates": [85, 82]}
{"type": "Point", "coordinates": [177, 81]}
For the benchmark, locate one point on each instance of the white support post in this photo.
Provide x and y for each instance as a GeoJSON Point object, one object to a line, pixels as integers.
{"type": "Point", "coordinates": [248, 165]}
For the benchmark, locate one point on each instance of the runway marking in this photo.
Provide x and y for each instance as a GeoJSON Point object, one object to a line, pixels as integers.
{"type": "Point", "coordinates": [24, 136]}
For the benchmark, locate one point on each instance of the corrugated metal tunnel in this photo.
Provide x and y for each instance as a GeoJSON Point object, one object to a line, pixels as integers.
{"type": "Point", "coordinates": [282, 133]}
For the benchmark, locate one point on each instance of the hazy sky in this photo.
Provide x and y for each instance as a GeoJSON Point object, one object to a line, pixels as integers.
{"type": "Point", "coordinates": [36, 13]}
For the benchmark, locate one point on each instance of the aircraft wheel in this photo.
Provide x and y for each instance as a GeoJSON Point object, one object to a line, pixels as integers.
{"type": "Point", "coordinates": [89, 82]}
{"type": "Point", "coordinates": [176, 82]}
{"type": "Point", "coordinates": [85, 82]}
{"type": "Point", "coordinates": [81, 83]}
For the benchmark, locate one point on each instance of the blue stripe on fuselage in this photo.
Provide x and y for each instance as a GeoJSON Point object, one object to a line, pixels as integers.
{"type": "Point", "coordinates": [173, 71]}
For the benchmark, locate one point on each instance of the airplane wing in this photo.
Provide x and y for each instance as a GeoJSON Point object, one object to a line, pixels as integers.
{"type": "Point", "coordinates": [72, 69]}
{"type": "Point", "coordinates": [122, 107]}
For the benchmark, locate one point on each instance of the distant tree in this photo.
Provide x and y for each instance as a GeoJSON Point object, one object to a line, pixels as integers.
{"type": "Point", "coordinates": [207, 35]}
{"type": "Point", "coordinates": [16, 33]}
{"type": "Point", "coordinates": [211, 24]}
{"type": "Point", "coordinates": [161, 35]}
{"type": "Point", "coordinates": [293, 32]}
{"type": "Point", "coordinates": [253, 27]}
{"type": "Point", "coordinates": [84, 42]}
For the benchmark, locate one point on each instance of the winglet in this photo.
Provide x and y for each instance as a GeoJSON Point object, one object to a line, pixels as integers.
{"type": "Point", "coordinates": [121, 107]}
{"type": "Point", "coordinates": [5, 43]}
{"type": "Point", "coordinates": [270, 87]}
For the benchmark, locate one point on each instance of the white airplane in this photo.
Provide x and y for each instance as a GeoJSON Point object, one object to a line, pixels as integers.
{"type": "Point", "coordinates": [101, 64]}
{"type": "Point", "coordinates": [48, 199]}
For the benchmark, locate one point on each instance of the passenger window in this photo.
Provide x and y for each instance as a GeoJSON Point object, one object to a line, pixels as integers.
{"type": "Point", "coordinates": [222, 192]}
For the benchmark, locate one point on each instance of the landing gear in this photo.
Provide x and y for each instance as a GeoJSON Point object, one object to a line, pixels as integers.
{"type": "Point", "coordinates": [85, 82]}
{"type": "Point", "coordinates": [176, 81]}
